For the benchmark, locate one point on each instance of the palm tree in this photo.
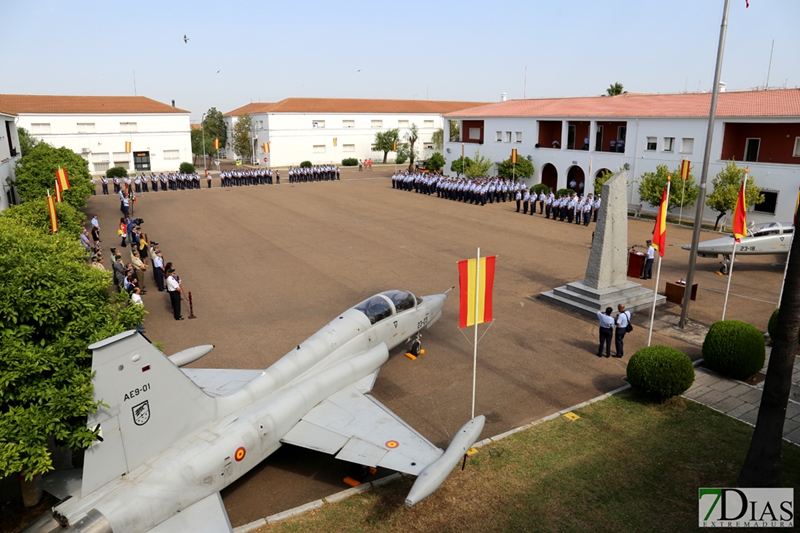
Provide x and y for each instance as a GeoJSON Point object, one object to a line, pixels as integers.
{"type": "Point", "coordinates": [615, 89]}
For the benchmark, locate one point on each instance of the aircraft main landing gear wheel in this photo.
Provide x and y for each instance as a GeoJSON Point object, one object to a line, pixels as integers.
{"type": "Point", "coordinates": [416, 348]}
{"type": "Point", "coordinates": [724, 269]}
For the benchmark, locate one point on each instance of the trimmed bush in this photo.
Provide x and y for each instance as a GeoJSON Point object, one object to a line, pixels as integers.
{"type": "Point", "coordinates": [306, 164]}
{"type": "Point", "coordinates": [660, 371]}
{"type": "Point", "coordinates": [186, 168]}
{"type": "Point", "coordinates": [734, 348]}
{"type": "Point", "coordinates": [116, 172]}
{"type": "Point", "coordinates": [401, 158]}
{"type": "Point", "coordinates": [540, 188]}
{"type": "Point", "coordinates": [350, 162]}
{"type": "Point", "coordinates": [772, 326]}
{"type": "Point", "coordinates": [563, 192]}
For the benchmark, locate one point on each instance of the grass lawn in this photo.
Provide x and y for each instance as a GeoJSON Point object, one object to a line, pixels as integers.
{"type": "Point", "coordinates": [625, 465]}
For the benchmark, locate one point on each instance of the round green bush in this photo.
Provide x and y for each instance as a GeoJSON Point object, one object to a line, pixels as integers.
{"type": "Point", "coordinates": [116, 172]}
{"type": "Point", "coordinates": [564, 192]}
{"type": "Point", "coordinates": [540, 188]}
{"type": "Point", "coordinates": [306, 164]}
{"type": "Point", "coordinates": [660, 371]}
{"type": "Point", "coordinates": [734, 348]}
{"type": "Point", "coordinates": [350, 162]}
{"type": "Point", "coordinates": [186, 168]}
{"type": "Point", "coordinates": [401, 158]}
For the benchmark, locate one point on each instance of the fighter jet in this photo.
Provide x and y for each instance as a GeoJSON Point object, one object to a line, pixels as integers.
{"type": "Point", "coordinates": [170, 439]}
{"type": "Point", "coordinates": [762, 239]}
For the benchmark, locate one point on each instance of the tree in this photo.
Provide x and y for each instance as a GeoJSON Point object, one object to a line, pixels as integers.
{"type": "Point", "coordinates": [762, 466]}
{"type": "Point", "coordinates": [438, 140]}
{"type": "Point", "coordinates": [242, 143]}
{"type": "Point", "coordinates": [116, 172]}
{"type": "Point", "coordinates": [36, 174]}
{"type": "Point", "coordinates": [53, 307]}
{"type": "Point", "coordinates": [436, 162]}
{"type": "Point", "coordinates": [614, 89]}
{"type": "Point", "coordinates": [600, 180]}
{"type": "Point", "coordinates": [197, 143]}
{"type": "Point", "coordinates": [215, 128]}
{"type": "Point", "coordinates": [384, 141]}
{"type": "Point", "coordinates": [412, 137]}
{"type": "Point", "coordinates": [523, 168]}
{"type": "Point", "coordinates": [460, 165]}
{"type": "Point", "coordinates": [479, 166]}
{"type": "Point", "coordinates": [455, 131]}
{"type": "Point", "coordinates": [33, 214]}
{"type": "Point", "coordinates": [651, 187]}
{"type": "Point", "coordinates": [726, 191]}
{"type": "Point", "coordinates": [26, 142]}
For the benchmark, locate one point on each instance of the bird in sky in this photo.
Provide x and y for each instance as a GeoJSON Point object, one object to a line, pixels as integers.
{"type": "Point", "coordinates": [217, 72]}
{"type": "Point", "coordinates": [185, 39]}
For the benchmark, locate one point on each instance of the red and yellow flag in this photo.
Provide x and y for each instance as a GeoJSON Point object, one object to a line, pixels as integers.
{"type": "Point", "coordinates": [266, 146]}
{"type": "Point", "coordinates": [686, 165]}
{"type": "Point", "coordinates": [474, 291]}
{"type": "Point", "coordinates": [127, 147]}
{"type": "Point", "coordinates": [740, 213]}
{"type": "Point", "coordinates": [59, 198]}
{"type": "Point", "coordinates": [62, 178]}
{"type": "Point", "coordinates": [51, 210]}
{"type": "Point", "coordinates": [394, 146]}
{"type": "Point", "coordinates": [216, 144]}
{"type": "Point", "coordinates": [660, 231]}
{"type": "Point", "coordinates": [514, 156]}
{"type": "Point", "coordinates": [334, 142]}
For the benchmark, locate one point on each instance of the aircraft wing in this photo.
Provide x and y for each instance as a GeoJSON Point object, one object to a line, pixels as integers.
{"type": "Point", "coordinates": [206, 516]}
{"type": "Point", "coordinates": [220, 381]}
{"type": "Point", "coordinates": [356, 427]}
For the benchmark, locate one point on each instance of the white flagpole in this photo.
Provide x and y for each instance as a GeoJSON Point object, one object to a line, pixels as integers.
{"type": "Point", "coordinates": [733, 255]}
{"type": "Point", "coordinates": [785, 270]}
{"type": "Point", "coordinates": [475, 343]}
{"type": "Point", "coordinates": [683, 188]}
{"type": "Point", "coordinates": [658, 272]}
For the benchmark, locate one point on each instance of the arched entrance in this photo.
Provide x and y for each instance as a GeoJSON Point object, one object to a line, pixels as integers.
{"type": "Point", "coordinates": [550, 176]}
{"type": "Point", "coordinates": [576, 179]}
{"type": "Point", "coordinates": [597, 174]}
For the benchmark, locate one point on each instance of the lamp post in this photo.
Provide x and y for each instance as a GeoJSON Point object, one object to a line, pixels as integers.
{"type": "Point", "coordinates": [203, 127]}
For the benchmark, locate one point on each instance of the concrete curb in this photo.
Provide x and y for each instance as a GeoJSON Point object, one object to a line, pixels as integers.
{"type": "Point", "coordinates": [366, 487]}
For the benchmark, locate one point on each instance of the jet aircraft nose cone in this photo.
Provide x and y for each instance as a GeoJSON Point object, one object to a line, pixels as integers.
{"type": "Point", "coordinates": [436, 301]}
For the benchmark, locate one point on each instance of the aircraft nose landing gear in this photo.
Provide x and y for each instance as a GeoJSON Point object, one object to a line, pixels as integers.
{"type": "Point", "coordinates": [416, 347]}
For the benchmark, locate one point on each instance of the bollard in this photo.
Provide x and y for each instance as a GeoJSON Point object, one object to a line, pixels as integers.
{"type": "Point", "coordinates": [191, 310]}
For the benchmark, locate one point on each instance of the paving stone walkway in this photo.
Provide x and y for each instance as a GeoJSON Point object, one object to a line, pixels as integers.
{"type": "Point", "coordinates": [741, 400]}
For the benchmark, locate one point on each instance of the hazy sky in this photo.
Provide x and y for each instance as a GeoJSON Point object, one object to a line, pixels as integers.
{"type": "Point", "coordinates": [467, 50]}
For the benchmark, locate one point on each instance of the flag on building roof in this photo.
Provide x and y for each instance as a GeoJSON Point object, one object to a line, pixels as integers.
{"type": "Point", "coordinates": [59, 198]}
{"type": "Point", "coordinates": [127, 147]}
{"type": "Point", "coordinates": [51, 210]}
{"type": "Point", "coordinates": [660, 231]}
{"type": "Point", "coordinates": [63, 179]}
{"type": "Point", "coordinates": [740, 213]}
{"type": "Point", "coordinates": [334, 142]}
{"type": "Point", "coordinates": [266, 146]}
{"type": "Point", "coordinates": [216, 144]}
{"type": "Point", "coordinates": [476, 290]}
{"type": "Point", "coordinates": [686, 166]}
{"type": "Point", "coordinates": [514, 156]}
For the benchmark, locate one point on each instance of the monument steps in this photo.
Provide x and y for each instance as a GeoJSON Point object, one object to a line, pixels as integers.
{"type": "Point", "coordinates": [636, 298]}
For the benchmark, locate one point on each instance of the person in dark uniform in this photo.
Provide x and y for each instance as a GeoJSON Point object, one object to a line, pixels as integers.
{"type": "Point", "coordinates": [648, 264]}
{"type": "Point", "coordinates": [606, 331]}
{"type": "Point", "coordinates": [104, 184]}
{"type": "Point", "coordinates": [623, 319]}
{"type": "Point", "coordinates": [175, 294]}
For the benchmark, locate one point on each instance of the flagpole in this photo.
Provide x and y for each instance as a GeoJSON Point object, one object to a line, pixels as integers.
{"type": "Point", "coordinates": [785, 270]}
{"type": "Point", "coordinates": [683, 188]}
{"type": "Point", "coordinates": [658, 268]}
{"type": "Point", "coordinates": [475, 342]}
{"type": "Point", "coordinates": [733, 255]}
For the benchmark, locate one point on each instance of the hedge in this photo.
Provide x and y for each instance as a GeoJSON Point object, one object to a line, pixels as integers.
{"type": "Point", "coordinates": [350, 162]}
{"type": "Point", "coordinates": [734, 348]}
{"type": "Point", "coordinates": [186, 168]}
{"type": "Point", "coordinates": [660, 372]}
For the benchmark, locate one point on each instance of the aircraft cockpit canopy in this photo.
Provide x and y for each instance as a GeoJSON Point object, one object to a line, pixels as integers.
{"type": "Point", "coordinates": [768, 228]}
{"type": "Point", "coordinates": [379, 307]}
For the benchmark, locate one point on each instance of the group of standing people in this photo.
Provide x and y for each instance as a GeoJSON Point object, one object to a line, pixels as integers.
{"type": "Point", "coordinates": [240, 178]}
{"type": "Point", "coordinates": [616, 327]}
{"type": "Point", "coordinates": [316, 173]}
{"type": "Point", "coordinates": [144, 183]}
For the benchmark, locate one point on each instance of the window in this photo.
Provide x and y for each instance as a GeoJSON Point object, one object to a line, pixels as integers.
{"type": "Point", "coordinates": [40, 128]}
{"type": "Point", "coordinates": [402, 123]}
{"type": "Point", "coordinates": [348, 123]}
{"type": "Point", "coordinates": [141, 160]}
{"type": "Point", "coordinates": [687, 145]}
{"type": "Point", "coordinates": [651, 143]}
{"type": "Point", "coordinates": [122, 159]}
{"type": "Point", "coordinates": [100, 162]}
{"type": "Point", "coordinates": [499, 136]}
{"type": "Point", "coordinates": [172, 154]}
{"type": "Point", "coordinates": [428, 146]}
{"type": "Point", "coordinates": [770, 203]}
{"type": "Point", "coordinates": [427, 124]}
{"type": "Point", "coordinates": [751, 149]}
{"type": "Point", "coordinates": [376, 123]}
{"type": "Point", "coordinates": [127, 127]}
{"type": "Point", "coordinates": [474, 134]}
{"type": "Point", "coordinates": [317, 123]}
{"type": "Point", "coordinates": [669, 144]}
{"type": "Point", "coordinates": [571, 130]}
{"type": "Point", "coordinates": [319, 148]}
{"type": "Point", "coordinates": [508, 137]}
{"type": "Point", "coordinates": [518, 137]}
{"type": "Point", "coordinates": [86, 127]}
{"type": "Point", "coordinates": [796, 152]}
{"type": "Point", "coordinates": [348, 148]}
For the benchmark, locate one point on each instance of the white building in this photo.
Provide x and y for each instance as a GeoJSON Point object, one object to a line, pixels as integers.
{"type": "Point", "coordinates": [100, 127]}
{"type": "Point", "coordinates": [569, 139]}
{"type": "Point", "coordinates": [9, 155]}
{"type": "Point", "coordinates": [327, 130]}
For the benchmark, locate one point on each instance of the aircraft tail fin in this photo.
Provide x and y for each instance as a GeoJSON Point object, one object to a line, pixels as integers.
{"type": "Point", "coordinates": [149, 405]}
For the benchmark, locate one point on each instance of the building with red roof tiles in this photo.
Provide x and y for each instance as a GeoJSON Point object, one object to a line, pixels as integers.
{"type": "Point", "coordinates": [327, 130]}
{"type": "Point", "coordinates": [9, 155]}
{"type": "Point", "coordinates": [573, 140]}
{"type": "Point", "coordinates": [99, 128]}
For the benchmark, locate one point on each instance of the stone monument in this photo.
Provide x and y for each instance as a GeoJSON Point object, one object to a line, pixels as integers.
{"type": "Point", "coordinates": [606, 283]}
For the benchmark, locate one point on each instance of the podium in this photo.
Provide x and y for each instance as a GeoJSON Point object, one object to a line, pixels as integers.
{"type": "Point", "coordinates": [636, 262]}
{"type": "Point", "coordinates": [674, 292]}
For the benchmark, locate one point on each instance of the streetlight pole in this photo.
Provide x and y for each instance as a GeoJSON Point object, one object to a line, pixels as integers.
{"type": "Point", "coordinates": [203, 127]}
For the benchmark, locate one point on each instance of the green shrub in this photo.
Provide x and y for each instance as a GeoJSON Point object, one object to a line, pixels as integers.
{"type": "Point", "coordinates": [734, 348]}
{"type": "Point", "coordinates": [435, 162]}
{"type": "Point", "coordinates": [660, 371]}
{"type": "Point", "coordinates": [402, 157]}
{"type": "Point", "coordinates": [540, 188]}
{"type": "Point", "coordinates": [186, 168]}
{"type": "Point", "coordinates": [306, 164]}
{"type": "Point", "coordinates": [567, 192]}
{"type": "Point", "coordinates": [116, 172]}
{"type": "Point", "coordinates": [350, 162]}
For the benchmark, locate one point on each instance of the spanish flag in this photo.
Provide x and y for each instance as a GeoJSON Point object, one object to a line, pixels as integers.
{"type": "Point", "coordinates": [514, 156]}
{"type": "Point", "coordinates": [266, 146]}
{"type": "Point", "coordinates": [59, 198]}
{"type": "Point", "coordinates": [216, 144]}
{"type": "Point", "coordinates": [740, 213]}
{"type": "Point", "coordinates": [394, 146]}
{"type": "Point", "coordinates": [51, 210]}
{"type": "Point", "coordinates": [685, 167]}
{"type": "Point", "coordinates": [334, 142]}
{"type": "Point", "coordinates": [127, 147]}
{"type": "Point", "coordinates": [476, 291]}
{"type": "Point", "coordinates": [63, 179]}
{"type": "Point", "coordinates": [660, 231]}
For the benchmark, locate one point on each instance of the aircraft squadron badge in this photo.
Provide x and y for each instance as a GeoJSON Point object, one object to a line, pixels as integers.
{"type": "Point", "coordinates": [141, 413]}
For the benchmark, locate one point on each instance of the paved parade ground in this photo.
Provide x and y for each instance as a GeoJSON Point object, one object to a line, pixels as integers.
{"type": "Point", "coordinates": [270, 265]}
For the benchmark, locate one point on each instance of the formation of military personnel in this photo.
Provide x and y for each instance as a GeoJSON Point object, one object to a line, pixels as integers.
{"type": "Point", "coordinates": [317, 173]}
{"type": "Point", "coordinates": [142, 183]}
{"type": "Point", "coordinates": [241, 178]}
{"type": "Point", "coordinates": [480, 191]}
